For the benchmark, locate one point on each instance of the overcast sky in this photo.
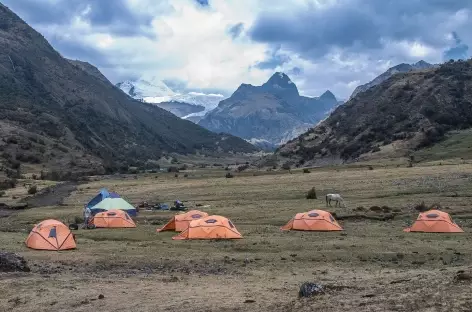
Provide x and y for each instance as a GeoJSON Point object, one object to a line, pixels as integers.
{"type": "Point", "coordinates": [215, 45]}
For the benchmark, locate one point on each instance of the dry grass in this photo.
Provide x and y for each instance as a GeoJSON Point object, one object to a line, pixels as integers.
{"type": "Point", "coordinates": [381, 267]}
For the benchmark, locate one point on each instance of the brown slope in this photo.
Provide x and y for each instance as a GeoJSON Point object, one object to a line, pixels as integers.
{"type": "Point", "coordinates": [42, 93]}
{"type": "Point", "coordinates": [415, 109]}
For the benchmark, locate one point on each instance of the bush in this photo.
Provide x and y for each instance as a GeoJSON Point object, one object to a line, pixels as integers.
{"type": "Point", "coordinates": [229, 175]}
{"type": "Point", "coordinates": [311, 194]}
{"type": "Point", "coordinates": [8, 184]}
{"type": "Point", "coordinates": [186, 175]}
{"type": "Point", "coordinates": [2, 193]}
{"type": "Point", "coordinates": [306, 170]}
{"type": "Point", "coordinates": [286, 166]}
{"type": "Point", "coordinates": [172, 169]}
{"type": "Point", "coordinates": [176, 175]}
{"type": "Point", "coordinates": [242, 168]}
{"type": "Point", "coordinates": [33, 189]}
{"type": "Point", "coordinates": [174, 160]}
{"type": "Point", "coordinates": [370, 168]}
{"type": "Point", "coordinates": [184, 167]}
{"type": "Point", "coordinates": [421, 207]}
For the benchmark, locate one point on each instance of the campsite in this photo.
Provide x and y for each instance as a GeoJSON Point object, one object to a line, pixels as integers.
{"type": "Point", "coordinates": [372, 264]}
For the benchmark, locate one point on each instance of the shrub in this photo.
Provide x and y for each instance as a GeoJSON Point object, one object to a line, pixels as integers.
{"type": "Point", "coordinates": [243, 167]}
{"type": "Point", "coordinates": [311, 194]}
{"type": "Point", "coordinates": [172, 169]}
{"type": "Point", "coordinates": [176, 175]}
{"type": "Point", "coordinates": [370, 168]}
{"type": "Point", "coordinates": [306, 170]}
{"type": "Point", "coordinates": [174, 160]}
{"type": "Point", "coordinates": [186, 175]}
{"type": "Point", "coordinates": [229, 175]}
{"type": "Point", "coordinates": [184, 167]}
{"type": "Point", "coordinates": [421, 207]}
{"type": "Point", "coordinates": [286, 166]}
{"type": "Point", "coordinates": [2, 193]}
{"type": "Point", "coordinates": [33, 189]}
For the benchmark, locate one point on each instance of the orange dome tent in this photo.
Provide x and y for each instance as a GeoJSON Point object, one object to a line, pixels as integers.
{"type": "Point", "coordinates": [434, 221]}
{"type": "Point", "coordinates": [113, 218]}
{"type": "Point", "coordinates": [181, 222]}
{"type": "Point", "coordinates": [211, 227]}
{"type": "Point", "coordinates": [50, 235]}
{"type": "Point", "coordinates": [314, 220]}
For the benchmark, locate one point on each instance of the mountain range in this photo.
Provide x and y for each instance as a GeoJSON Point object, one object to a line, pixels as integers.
{"type": "Point", "coordinates": [270, 114]}
{"type": "Point", "coordinates": [400, 68]}
{"type": "Point", "coordinates": [65, 114]}
{"type": "Point", "coordinates": [154, 91]}
{"type": "Point", "coordinates": [407, 111]}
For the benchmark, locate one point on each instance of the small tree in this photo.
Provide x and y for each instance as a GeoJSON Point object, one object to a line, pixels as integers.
{"type": "Point", "coordinates": [306, 170]}
{"type": "Point", "coordinates": [229, 175]}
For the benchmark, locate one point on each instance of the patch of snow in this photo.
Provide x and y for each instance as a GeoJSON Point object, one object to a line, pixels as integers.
{"type": "Point", "coordinates": [152, 90]}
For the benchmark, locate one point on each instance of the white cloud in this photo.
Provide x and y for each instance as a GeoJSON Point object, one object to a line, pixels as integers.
{"type": "Point", "coordinates": [188, 43]}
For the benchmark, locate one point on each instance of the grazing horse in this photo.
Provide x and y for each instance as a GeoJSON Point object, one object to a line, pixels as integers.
{"type": "Point", "coordinates": [334, 197]}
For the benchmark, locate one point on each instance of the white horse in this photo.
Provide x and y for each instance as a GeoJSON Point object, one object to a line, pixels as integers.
{"type": "Point", "coordinates": [334, 197]}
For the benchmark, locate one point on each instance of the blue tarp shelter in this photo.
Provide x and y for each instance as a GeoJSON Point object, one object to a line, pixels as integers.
{"type": "Point", "coordinates": [101, 196]}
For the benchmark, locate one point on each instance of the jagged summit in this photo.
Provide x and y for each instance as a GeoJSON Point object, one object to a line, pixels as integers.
{"type": "Point", "coordinates": [328, 95]}
{"type": "Point", "coordinates": [281, 85]}
{"type": "Point", "coordinates": [272, 113]}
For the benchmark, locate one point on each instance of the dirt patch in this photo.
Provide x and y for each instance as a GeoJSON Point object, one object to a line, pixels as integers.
{"type": "Point", "coordinates": [11, 262]}
{"type": "Point", "coordinates": [52, 196]}
{"type": "Point", "coordinates": [386, 217]}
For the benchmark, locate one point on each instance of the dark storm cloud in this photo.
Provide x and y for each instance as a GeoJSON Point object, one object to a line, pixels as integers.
{"type": "Point", "coordinates": [274, 59]}
{"type": "Point", "coordinates": [296, 71]}
{"type": "Point", "coordinates": [203, 2]}
{"type": "Point", "coordinates": [459, 51]}
{"type": "Point", "coordinates": [113, 16]}
{"type": "Point", "coordinates": [76, 50]}
{"type": "Point", "coordinates": [356, 24]}
{"type": "Point", "coordinates": [236, 30]}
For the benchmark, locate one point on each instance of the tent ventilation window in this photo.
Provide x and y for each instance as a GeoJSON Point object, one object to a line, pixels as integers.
{"type": "Point", "coordinates": [230, 224]}
{"type": "Point", "coordinates": [111, 214]}
{"type": "Point", "coordinates": [331, 218]}
{"type": "Point", "coordinates": [432, 215]}
{"type": "Point", "coordinates": [196, 216]}
{"type": "Point", "coordinates": [211, 221]}
{"type": "Point", "coordinates": [313, 214]}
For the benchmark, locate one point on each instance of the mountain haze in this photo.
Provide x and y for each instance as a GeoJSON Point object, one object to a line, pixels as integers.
{"type": "Point", "coordinates": [269, 114]}
{"type": "Point", "coordinates": [154, 91]}
{"type": "Point", "coordinates": [66, 113]}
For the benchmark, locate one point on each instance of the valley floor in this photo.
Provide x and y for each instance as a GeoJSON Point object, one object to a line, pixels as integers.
{"type": "Point", "coordinates": [371, 266]}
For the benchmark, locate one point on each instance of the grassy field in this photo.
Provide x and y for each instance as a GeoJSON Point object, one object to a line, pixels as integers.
{"type": "Point", "coordinates": [371, 266]}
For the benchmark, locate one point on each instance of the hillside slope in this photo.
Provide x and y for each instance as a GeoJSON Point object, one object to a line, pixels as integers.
{"type": "Point", "coordinates": [73, 112]}
{"type": "Point", "coordinates": [272, 113]}
{"type": "Point", "coordinates": [400, 68]}
{"type": "Point", "coordinates": [406, 112]}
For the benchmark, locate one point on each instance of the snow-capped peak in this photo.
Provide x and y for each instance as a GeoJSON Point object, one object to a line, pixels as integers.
{"type": "Point", "coordinates": [152, 90]}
